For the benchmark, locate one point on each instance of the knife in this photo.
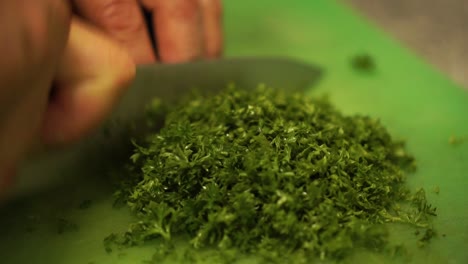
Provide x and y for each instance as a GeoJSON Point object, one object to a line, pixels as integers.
{"type": "Point", "coordinates": [111, 142]}
{"type": "Point", "coordinates": [171, 81]}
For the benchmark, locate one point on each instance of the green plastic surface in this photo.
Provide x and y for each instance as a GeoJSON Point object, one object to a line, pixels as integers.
{"type": "Point", "coordinates": [413, 100]}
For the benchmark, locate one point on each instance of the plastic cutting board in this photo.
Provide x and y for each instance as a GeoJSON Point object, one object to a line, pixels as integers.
{"type": "Point", "coordinates": [416, 103]}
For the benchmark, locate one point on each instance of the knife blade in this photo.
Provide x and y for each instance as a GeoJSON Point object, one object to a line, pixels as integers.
{"type": "Point", "coordinates": [111, 142]}
{"type": "Point", "coordinates": [171, 81]}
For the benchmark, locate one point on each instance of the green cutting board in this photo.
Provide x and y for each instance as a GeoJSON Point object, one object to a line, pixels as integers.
{"type": "Point", "coordinates": [413, 100]}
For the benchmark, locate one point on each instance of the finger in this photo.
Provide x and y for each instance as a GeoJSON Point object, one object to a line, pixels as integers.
{"type": "Point", "coordinates": [211, 11]}
{"type": "Point", "coordinates": [35, 37]}
{"type": "Point", "coordinates": [94, 73]}
{"type": "Point", "coordinates": [178, 27]}
{"type": "Point", "coordinates": [123, 19]}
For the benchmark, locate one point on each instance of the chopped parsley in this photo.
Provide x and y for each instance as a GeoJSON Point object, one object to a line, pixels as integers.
{"type": "Point", "coordinates": [269, 173]}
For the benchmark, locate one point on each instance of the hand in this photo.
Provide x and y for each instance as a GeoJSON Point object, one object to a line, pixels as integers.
{"type": "Point", "coordinates": [33, 34]}
{"type": "Point", "coordinates": [183, 29]}
{"type": "Point", "coordinates": [93, 73]}
{"type": "Point", "coordinates": [46, 47]}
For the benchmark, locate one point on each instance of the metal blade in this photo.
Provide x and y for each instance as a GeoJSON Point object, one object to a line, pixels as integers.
{"type": "Point", "coordinates": [111, 143]}
{"type": "Point", "coordinates": [171, 81]}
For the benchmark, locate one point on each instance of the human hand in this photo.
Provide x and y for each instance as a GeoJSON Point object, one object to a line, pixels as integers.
{"type": "Point", "coordinates": [184, 30]}
{"type": "Point", "coordinates": [58, 78]}
{"type": "Point", "coordinates": [34, 34]}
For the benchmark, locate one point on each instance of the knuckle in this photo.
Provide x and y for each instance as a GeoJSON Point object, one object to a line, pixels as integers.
{"type": "Point", "coordinates": [190, 7]}
{"type": "Point", "coordinates": [180, 8]}
{"type": "Point", "coordinates": [120, 16]}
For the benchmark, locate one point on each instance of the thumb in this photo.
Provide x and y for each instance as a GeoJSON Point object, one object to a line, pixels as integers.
{"type": "Point", "coordinates": [93, 74]}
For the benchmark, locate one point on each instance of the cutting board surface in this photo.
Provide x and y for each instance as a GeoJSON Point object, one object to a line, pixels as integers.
{"type": "Point", "coordinates": [413, 100]}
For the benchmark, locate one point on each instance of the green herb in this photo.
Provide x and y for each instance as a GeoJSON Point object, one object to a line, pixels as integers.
{"type": "Point", "coordinates": [363, 62]}
{"type": "Point", "coordinates": [428, 235]}
{"type": "Point", "coordinates": [64, 225]}
{"type": "Point", "coordinates": [109, 242]}
{"type": "Point", "coordinates": [269, 173]}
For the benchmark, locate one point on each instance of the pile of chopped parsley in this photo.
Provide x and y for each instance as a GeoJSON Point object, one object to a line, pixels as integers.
{"type": "Point", "coordinates": [270, 173]}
